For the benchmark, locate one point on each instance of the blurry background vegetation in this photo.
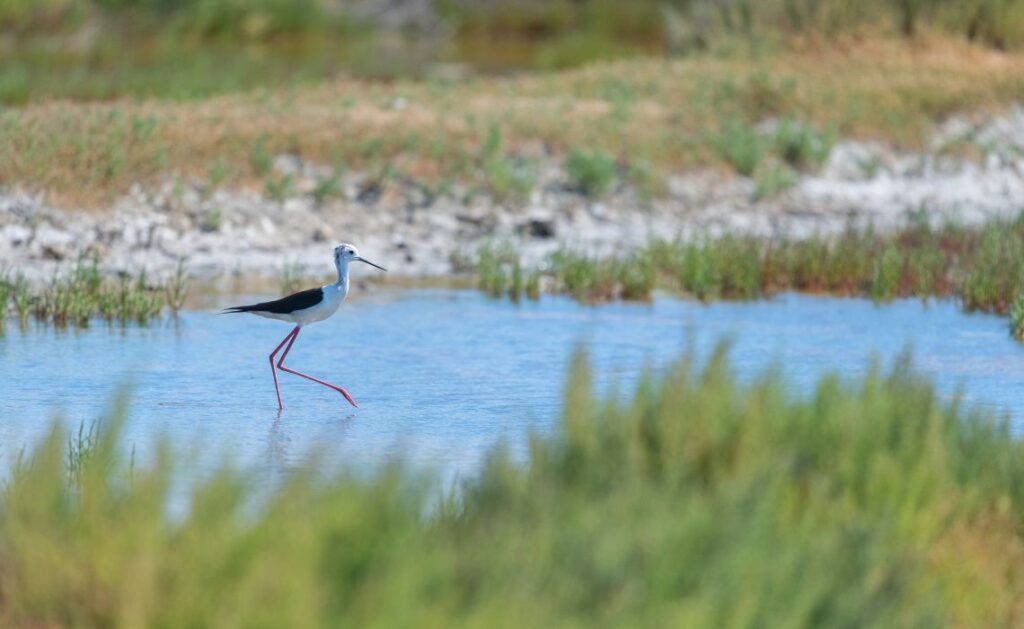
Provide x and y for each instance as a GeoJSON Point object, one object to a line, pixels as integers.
{"type": "Point", "coordinates": [105, 48]}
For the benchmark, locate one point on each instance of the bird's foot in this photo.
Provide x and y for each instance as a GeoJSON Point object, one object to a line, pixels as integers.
{"type": "Point", "coordinates": [348, 397]}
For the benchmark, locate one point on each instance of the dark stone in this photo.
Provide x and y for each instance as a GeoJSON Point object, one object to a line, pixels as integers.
{"type": "Point", "coordinates": [369, 192]}
{"type": "Point", "coordinates": [540, 228]}
{"type": "Point", "coordinates": [52, 253]}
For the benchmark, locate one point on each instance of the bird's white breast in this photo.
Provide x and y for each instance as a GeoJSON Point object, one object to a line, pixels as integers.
{"type": "Point", "coordinates": [333, 295]}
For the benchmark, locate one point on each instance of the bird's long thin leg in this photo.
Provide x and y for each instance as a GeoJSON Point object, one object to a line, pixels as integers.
{"type": "Point", "coordinates": [291, 337]}
{"type": "Point", "coordinates": [280, 365]}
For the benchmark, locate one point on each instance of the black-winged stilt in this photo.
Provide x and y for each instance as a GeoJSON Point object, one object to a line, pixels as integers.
{"type": "Point", "coordinates": [308, 306]}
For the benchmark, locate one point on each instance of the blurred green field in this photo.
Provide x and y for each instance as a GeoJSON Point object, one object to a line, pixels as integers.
{"type": "Point", "coordinates": [698, 502]}
{"type": "Point", "coordinates": [100, 49]}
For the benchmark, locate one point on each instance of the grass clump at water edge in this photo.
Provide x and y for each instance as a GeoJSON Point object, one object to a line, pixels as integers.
{"type": "Point", "coordinates": [699, 501]}
{"type": "Point", "coordinates": [83, 293]}
{"type": "Point", "coordinates": [982, 267]}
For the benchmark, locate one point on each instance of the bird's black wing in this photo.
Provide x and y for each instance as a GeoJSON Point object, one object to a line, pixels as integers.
{"type": "Point", "coordinates": [298, 301]}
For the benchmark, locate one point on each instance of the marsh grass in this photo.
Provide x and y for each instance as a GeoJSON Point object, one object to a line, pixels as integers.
{"type": "Point", "coordinates": [590, 172]}
{"type": "Point", "coordinates": [1017, 317]}
{"type": "Point", "coordinates": [800, 145]}
{"type": "Point", "coordinates": [81, 446]}
{"type": "Point", "coordinates": [509, 179]}
{"type": "Point", "coordinates": [772, 178]}
{"type": "Point", "coordinates": [499, 270]}
{"type": "Point", "coordinates": [177, 287]}
{"type": "Point", "coordinates": [982, 267]}
{"type": "Point", "coordinates": [694, 501]}
{"type": "Point", "coordinates": [771, 156]}
{"type": "Point", "coordinates": [740, 145]}
{"type": "Point", "coordinates": [629, 112]}
{"type": "Point", "coordinates": [81, 294]}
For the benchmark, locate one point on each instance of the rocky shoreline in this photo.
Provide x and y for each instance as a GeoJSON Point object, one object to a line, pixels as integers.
{"type": "Point", "coordinates": [973, 171]}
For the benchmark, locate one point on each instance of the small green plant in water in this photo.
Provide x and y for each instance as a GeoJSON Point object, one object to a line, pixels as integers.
{"type": "Point", "coordinates": [6, 291]}
{"type": "Point", "coordinates": [497, 267]}
{"type": "Point", "coordinates": [177, 287]}
{"type": "Point", "coordinates": [81, 448]}
{"type": "Point", "coordinates": [1017, 317]}
{"type": "Point", "coordinates": [696, 274]}
{"type": "Point", "coordinates": [83, 293]}
{"type": "Point", "coordinates": [885, 280]}
{"type": "Point", "coordinates": [636, 277]}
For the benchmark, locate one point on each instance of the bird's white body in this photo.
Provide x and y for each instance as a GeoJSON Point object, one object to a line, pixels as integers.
{"type": "Point", "coordinates": [332, 296]}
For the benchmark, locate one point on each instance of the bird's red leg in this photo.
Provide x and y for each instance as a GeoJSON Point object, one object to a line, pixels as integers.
{"type": "Point", "coordinates": [280, 365]}
{"type": "Point", "coordinates": [291, 337]}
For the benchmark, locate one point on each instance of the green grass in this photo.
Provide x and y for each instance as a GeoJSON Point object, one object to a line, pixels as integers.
{"type": "Point", "coordinates": [82, 294]}
{"type": "Point", "coordinates": [740, 145]}
{"type": "Point", "coordinates": [982, 267]}
{"type": "Point", "coordinates": [497, 268]}
{"type": "Point", "coordinates": [791, 144]}
{"type": "Point", "coordinates": [592, 173]}
{"type": "Point", "coordinates": [608, 124]}
{"type": "Point", "coordinates": [800, 145]}
{"type": "Point", "coordinates": [696, 502]}
{"type": "Point", "coordinates": [1017, 317]}
{"type": "Point", "coordinates": [772, 178]}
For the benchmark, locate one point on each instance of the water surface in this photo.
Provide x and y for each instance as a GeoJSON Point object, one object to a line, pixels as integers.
{"type": "Point", "coordinates": [441, 375]}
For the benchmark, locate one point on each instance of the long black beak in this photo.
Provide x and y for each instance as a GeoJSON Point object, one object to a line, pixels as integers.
{"type": "Point", "coordinates": [370, 263]}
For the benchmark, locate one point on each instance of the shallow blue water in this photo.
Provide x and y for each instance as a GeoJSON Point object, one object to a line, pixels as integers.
{"type": "Point", "coordinates": [440, 376]}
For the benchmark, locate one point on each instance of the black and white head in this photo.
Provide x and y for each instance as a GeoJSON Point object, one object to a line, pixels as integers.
{"type": "Point", "coordinates": [345, 253]}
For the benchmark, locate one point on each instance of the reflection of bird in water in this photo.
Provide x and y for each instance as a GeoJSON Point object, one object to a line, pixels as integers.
{"type": "Point", "coordinates": [308, 306]}
{"type": "Point", "coordinates": [278, 446]}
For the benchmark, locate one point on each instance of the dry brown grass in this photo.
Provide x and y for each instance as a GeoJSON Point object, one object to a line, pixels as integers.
{"type": "Point", "coordinates": [664, 112]}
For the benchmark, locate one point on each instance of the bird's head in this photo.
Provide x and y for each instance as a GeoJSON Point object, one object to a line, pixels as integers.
{"type": "Point", "coordinates": [345, 253]}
